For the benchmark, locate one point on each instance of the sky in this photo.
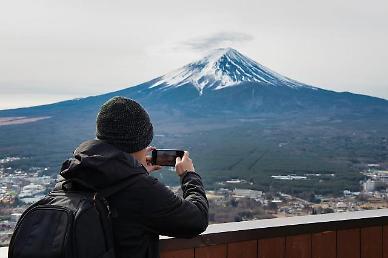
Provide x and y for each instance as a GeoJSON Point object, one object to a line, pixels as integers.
{"type": "Point", "coordinates": [57, 50]}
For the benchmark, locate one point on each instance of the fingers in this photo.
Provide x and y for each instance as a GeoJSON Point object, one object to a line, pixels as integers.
{"type": "Point", "coordinates": [184, 164]}
{"type": "Point", "coordinates": [150, 148]}
{"type": "Point", "coordinates": [149, 160]}
{"type": "Point", "coordinates": [153, 168]}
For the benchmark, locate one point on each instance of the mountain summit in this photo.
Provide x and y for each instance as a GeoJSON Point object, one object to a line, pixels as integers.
{"type": "Point", "coordinates": [223, 68]}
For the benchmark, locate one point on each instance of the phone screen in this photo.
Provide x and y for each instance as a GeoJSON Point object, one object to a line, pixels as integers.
{"type": "Point", "coordinates": [166, 157]}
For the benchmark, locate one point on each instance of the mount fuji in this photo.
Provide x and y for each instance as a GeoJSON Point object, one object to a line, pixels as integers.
{"type": "Point", "coordinates": [225, 81]}
{"type": "Point", "coordinates": [238, 118]}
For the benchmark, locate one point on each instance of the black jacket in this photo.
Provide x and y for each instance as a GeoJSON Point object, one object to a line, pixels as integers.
{"type": "Point", "coordinates": [146, 208]}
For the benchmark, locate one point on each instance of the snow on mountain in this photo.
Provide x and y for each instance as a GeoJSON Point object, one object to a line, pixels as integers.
{"type": "Point", "coordinates": [223, 68]}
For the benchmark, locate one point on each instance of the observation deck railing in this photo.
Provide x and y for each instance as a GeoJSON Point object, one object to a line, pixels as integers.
{"type": "Point", "coordinates": [362, 234]}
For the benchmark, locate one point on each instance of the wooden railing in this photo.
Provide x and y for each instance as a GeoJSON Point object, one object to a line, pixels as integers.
{"type": "Point", "coordinates": [362, 234]}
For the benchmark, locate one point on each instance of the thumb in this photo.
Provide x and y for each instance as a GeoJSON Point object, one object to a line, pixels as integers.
{"type": "Point", "coordinates": [150, 148]}
{"type": "Point", "coordinates": [178, 159]}
{"type": "Point", "coordinates": [186, 155]}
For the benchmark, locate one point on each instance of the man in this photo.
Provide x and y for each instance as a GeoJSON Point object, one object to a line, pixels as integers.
{"type": "Point", "coordinates": [146, 208]}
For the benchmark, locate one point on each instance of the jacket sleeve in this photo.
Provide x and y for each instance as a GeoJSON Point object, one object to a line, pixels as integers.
{"type": "Point", "coordinates": [168, 214]}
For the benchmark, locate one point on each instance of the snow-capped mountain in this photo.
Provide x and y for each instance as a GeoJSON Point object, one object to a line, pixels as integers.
{"type": "Point", "coordinates": [225, 82]}
{"type": "Point", "coordinates": [223, 68]}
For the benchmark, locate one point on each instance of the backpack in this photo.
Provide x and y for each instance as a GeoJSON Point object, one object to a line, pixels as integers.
{"type": "Point", "coordinates": [72, 221]}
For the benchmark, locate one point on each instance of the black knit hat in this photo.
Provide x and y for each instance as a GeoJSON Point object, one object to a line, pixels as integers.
{"type": "Point", "coordinates": [125, 124]}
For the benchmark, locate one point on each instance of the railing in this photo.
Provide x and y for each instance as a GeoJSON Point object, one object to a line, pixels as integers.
{"type": "Point", "coordinates": [362, 234]}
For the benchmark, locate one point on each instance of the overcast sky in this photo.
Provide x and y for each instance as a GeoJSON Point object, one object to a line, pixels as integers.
{"type": "Point", "coordinates": [56, 50]}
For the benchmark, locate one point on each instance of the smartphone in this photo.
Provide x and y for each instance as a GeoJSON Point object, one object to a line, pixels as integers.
{"type": "Point", "coordinates": [165, 157]}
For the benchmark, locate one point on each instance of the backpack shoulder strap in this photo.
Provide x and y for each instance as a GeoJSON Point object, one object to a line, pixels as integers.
{"type": "Point", "coordinates": [68, 184]}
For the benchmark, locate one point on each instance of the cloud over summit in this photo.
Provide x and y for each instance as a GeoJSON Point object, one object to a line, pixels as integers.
{"type": "Point", "coordinates": [216, 40]}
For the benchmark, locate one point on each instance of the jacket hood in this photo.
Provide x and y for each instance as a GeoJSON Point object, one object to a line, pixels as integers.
{"type": "Point", "coordinates": [100, 164]}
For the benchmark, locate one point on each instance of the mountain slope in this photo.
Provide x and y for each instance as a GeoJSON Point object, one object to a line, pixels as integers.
{"type": "Point", "coordinates": [224, 68]}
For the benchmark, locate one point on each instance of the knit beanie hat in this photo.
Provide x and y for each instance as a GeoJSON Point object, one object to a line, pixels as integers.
{"type": "Point", "coordinates": [125, 124]}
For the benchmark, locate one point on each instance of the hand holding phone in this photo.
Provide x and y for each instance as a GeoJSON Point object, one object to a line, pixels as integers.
{"type": "Point", "coordinates": [184, 164]}
{"type": "Point", "coordinates": [149, 166]}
